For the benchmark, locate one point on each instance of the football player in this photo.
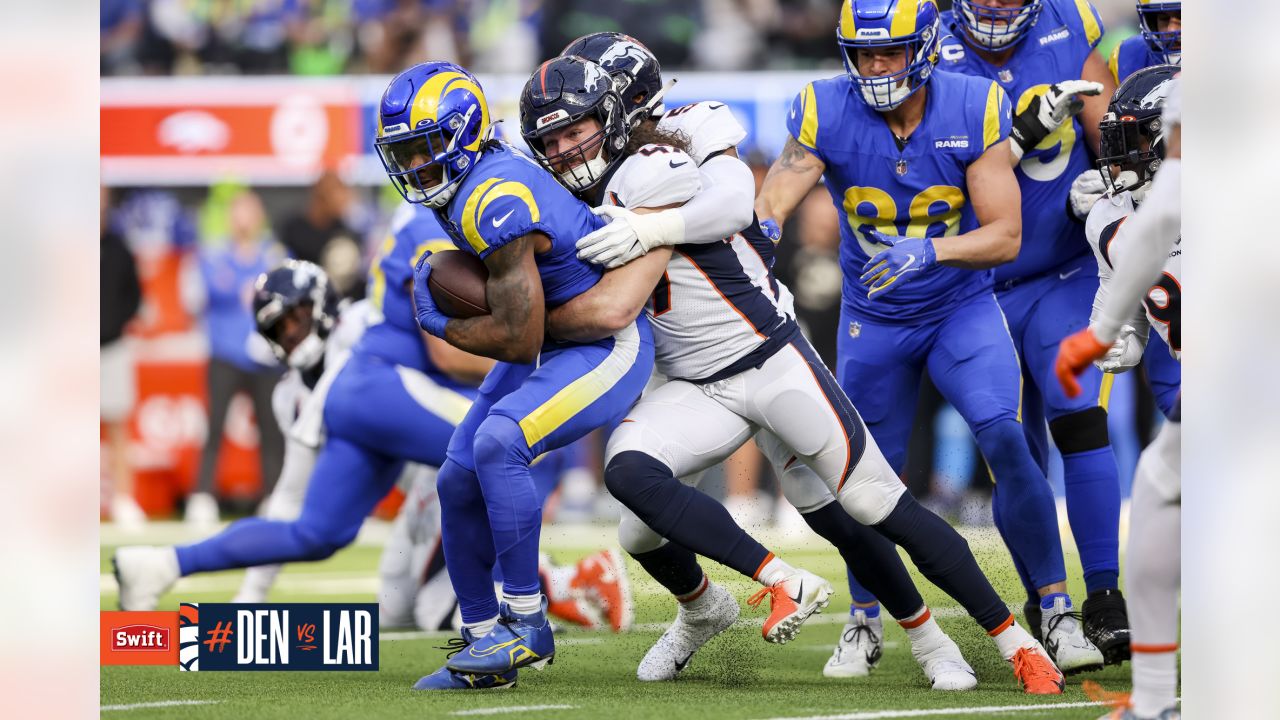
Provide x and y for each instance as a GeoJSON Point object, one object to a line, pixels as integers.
{"type": "Point", "coordinates": [919, 164]}
{"type": "Point", "coordinates": [1158, 43]}
{"type": "Point", "coordinates": [570, 120]}
{"type": "Point", "coordinates": [435, 139]}
{"type": "Point", "coordinates": [1041, 52]}
{"type": "Point", "coordinates": [1145, 252]}
{"type": "Point", "coordinates": [726, 337]}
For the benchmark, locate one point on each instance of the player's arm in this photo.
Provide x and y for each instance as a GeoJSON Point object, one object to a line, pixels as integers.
{"type": "Point", "coordinates": [613, 303]}
{"type": "Point", "coordinates": [1095, 106]}
{"type": "Point", "coordinates": [997, 203]}
{"type": "Point", "coordinates": [789, 180]}
{"type": "Point", "coordinates": [1127, 350]}
{"type": "Point", "coordinates": [457, 364]}
{"type": "Point", "coordinates": [513, 329]}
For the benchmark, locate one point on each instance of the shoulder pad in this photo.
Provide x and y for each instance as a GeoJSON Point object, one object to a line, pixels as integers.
{"type": "Point", "coordinates": [655, 176]}
{"type": "Point", "coordinates": [709, 126]}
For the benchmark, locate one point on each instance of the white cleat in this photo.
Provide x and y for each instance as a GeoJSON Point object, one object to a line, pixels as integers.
{"type": "Point", "coordinates": [1064, 639]}
{"type": "Point", "coordinates": [715, 612]}
{"type": "Point", "coordinates": [202, 511]}
{"type": "Point", "coordinates": [860, 647]}
{"type": "Point", "coordinates": [946, 667]}
{"type": "Point", "coordinates": [127, 514]}
{"type": "Point", "coordinates": [792, 600]}
{"type": "Point", "coordinates": [144, 573]}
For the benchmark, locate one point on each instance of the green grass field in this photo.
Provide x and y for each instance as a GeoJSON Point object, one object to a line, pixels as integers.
{"type": "Point", "coordinates": [737, 675]}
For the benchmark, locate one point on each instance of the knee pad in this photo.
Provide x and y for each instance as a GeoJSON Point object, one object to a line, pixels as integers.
{"type": "Point", "coordinates": [872, 489]}
{"type": "Point", "coordinates": [635, 537]}
{"type": "Point", "coordinates": [631, 475]}
{"type": "Point", "coordinates": [499, 440]}
{"type": "Point", "coordinates": [1080, 431]}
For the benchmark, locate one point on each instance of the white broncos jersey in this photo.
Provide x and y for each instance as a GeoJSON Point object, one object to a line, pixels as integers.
{"type": "Point", "coordinates": [717, 309]}
{"type": "Point", "coordinates": [299, 408]}
{"type": "Point", "coordinates": [1162, 304]}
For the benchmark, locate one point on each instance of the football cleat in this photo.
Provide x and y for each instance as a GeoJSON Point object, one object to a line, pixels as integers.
{"type": "Point", "coordinates": [144, 573]}
{"type": "Point", "coordinates": [1106, 624]}
{"type": "Point", "coordinates": [945, 667]}
{"type": "Point", "coordinates": [1122, 707]}
{"type": "Point", "coordinates": [517, 641]}
{"type": "Point", "coordinates": [201, 512]}
{"type": "Point", "coordinates": [1036, 672]}
{"type": "Point", "coordinates": [446, 679]}
{"type": "Point", "coordinates": [602, 578]}
{"type": "Point", "coordinates": [792, 600]}
{"type": "Point", "coordinates": [860, 647]}
{"type": "Point", "coordinates": [715, 612]}
{"type": "Point", "coordinates": [1064, 639]}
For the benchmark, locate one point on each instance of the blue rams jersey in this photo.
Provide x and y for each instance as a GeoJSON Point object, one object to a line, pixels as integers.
{"type": "Point", "coordinates": [1131, 56]}
{"type": "Point", "coordinates": [393, 333]}
{"type": "Point", "coordinates": [506, 196]}
{"type": "Point", "coordinates": [918, 191]}
{"type": "Point", "coordinates": [1054, 50]}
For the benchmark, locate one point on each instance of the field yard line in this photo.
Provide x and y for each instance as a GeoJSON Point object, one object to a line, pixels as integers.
{"type": "Point", "coordinates": [889, 714]}
{"type": "Point", "coordinates": [512, 708]}
{"type": "Point", "coordinates": [159, 704]}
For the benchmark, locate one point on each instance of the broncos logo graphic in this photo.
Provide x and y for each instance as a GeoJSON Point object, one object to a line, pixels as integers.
{"type": "Point", "coordinates": [625, 55]}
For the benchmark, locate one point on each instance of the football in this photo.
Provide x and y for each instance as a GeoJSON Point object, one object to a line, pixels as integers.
{"type": "Point", "coordinates": [457, 283]}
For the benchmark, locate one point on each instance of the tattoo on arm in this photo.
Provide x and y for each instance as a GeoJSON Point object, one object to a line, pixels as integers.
{"type": "Point", "coordinates": [795, 157]}
{"type": "Point", "coordinates": [515, 300]}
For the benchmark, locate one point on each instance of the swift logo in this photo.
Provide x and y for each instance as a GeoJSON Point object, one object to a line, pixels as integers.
{"type": "Point", "coordinates": [140, 637]}
{"type": "Point", "coordinates": [497, 222]}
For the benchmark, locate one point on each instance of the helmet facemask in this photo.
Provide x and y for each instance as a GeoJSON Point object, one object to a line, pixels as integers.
{"type": "Point", "coordinates": [1166, 44]}
{"type": "Point", "coordinates": [1130, 152]}
{"type": "Point", "coordinates": [427, 165]}
{"type": "Point", "coordinates": [996, 28]}
{"type": "Point", "coordinates": [586, 163]}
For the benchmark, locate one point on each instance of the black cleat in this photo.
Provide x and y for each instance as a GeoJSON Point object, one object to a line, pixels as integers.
{"type": "Point", "coordinates": [1106, 624]}
{"type": "Point", "coordinates": [1031, 611]}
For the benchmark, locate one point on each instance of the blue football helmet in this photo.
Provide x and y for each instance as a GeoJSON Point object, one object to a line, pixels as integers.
{"type": "Point", "coordinates": [295, 284]}
{"type": "Point", "coordinates": [876, 24]}
{"type": "Point", "coordinates": [637, 75]}
{"type": "Point", "coordinates": [997, 28]}
{"type": "Point", "coordinates": [1167, 43]}
{"type": "Point", "coordinates": [561, 92]}
{"type": "Point", "coordinates": [433, 123]}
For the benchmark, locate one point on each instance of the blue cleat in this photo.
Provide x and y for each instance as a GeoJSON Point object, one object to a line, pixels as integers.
{"type": "Point", "coordinates": [446, 679]}
{"type": "Point", "coordinates": [517, 641]}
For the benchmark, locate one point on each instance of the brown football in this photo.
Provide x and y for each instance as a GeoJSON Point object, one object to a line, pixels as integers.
{"type": "Point", "coordinates": [457, 283]}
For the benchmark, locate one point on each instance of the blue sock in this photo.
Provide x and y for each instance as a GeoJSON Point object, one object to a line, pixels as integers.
{"type": "Point", "coordinates": [346, 484]}
{"type": "Point", "coordinates": [1028, 516]}
{"type": "Point", "coordinates": [681, 513]}
{"type": "Point", "coordinates": [1046, 602]}
{"type": "Point", "coordinates": [1093, 506]}
{"type": "Point", "coordinates": [468, 542]}
{"type": "Point", "coordinates": [512, 499]}
{"type": "Point", "coordinates": [874, 610]}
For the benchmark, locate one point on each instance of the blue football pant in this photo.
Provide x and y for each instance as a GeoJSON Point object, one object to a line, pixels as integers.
{"type": "Point", "coordinates": [491, 510]}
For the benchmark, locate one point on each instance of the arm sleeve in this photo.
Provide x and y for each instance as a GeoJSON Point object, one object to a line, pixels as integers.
{"type": "Point", "coordinates": [1148, 237]}
{"type": "Point", "coordinates": [724, 206]}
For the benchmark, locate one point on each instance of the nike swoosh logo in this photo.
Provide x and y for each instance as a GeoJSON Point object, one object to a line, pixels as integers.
{"type": "Point", "coordinates": [793, 113]}
{"type": "Point", "coordinates": [674, 164]}
{"type": "Point", "coordinates": [799, 593]}
{"type": "Point", "coordinates": [716, 106]}
{"type": "Point", "coordinates": [680, 664]}
{"type": "Point", "coordinates": [498, 221]}
{"type": "Point", "coordinates": [1065, 275]}
{"type": "Point", "coordinates": [911, 260]}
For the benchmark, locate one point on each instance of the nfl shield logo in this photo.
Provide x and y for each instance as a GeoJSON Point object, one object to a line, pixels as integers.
{"type": "Point", "coordinates": [1006, 76]}
{"type": "Point", "coordinates": [855, 329]}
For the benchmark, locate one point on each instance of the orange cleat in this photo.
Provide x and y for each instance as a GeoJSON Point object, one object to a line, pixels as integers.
{"type": "Point", "coordinates": [1036, 672]}
{"type": "Point", "coordinates": [575, 611]}
{"type": "Point", "coordinates": [602, 578]}
{"type": "Point", "coordinates": [791, 600]}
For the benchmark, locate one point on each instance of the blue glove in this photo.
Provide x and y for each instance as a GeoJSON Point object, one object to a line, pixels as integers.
{"type": "Point", "coordinates": [906, 257]}
{"type": "Point", "coordinates": [430, 318]}
{"type": "Point", "coordinates": [771, 230]}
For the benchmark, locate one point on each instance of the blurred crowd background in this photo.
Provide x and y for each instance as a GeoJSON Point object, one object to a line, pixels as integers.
{"type": "Point", "coordinates": [196, 204]}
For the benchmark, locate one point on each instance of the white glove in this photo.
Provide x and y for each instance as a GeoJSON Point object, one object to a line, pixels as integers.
{"type": "Point", "coordinates": [629, 235]}
{"type": "Point", "coordinates": [1086, 190]}
{"type": "Point", "coordinates": [1125, 353]}
{"type": "Point", "coordinates": [1046, 112]}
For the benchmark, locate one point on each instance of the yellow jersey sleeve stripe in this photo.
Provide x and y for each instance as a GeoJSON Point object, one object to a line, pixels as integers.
{"type": "Point", "coordinates": [809, 124]}
{"type": "Point", "coordinates": [1113, 64]}
{"type": "Point", "coordinates": [904, 21]}
{"type": "Point", "coordinates": [469, 215]}
{"type": "Point", "coordinates": [991, 119]}
{"type": "Point", "coordinates": [1092, 31]}
{"type": "Point", "coordinates": [1104, 391]}
{"type": "Point", "coordinates": [581, 393]}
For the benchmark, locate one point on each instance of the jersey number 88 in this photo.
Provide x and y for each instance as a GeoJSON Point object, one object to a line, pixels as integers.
{"type": "Point", "coordinates": [868, 206]}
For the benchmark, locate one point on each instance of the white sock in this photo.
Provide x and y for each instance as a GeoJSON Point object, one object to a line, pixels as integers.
{"type": "Point", "coordinates": [774, 571]}
{"type": "Point", "coordinates": [257, 583]}
{"type": "Point", "coordinates": [698, 599]}
{"type": "Point", "coordinates": [923, 631]}
{"type": "Point", "coordinates": [482, 628]}
{"type": "Point", "coordinates": [523, 604]}
{"type": "Point", "coordinates": [1155, 682]}
{"type": "Point", "coordinates": [1012, 639]}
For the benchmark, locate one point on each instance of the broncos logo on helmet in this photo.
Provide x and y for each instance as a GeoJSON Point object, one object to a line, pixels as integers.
{"type": "Point", "coordinates": [636, 73]}
{"type": "Point", "coordinates": [433, 122]}
{"type": "Point", "coordinates": [1131, 147]}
